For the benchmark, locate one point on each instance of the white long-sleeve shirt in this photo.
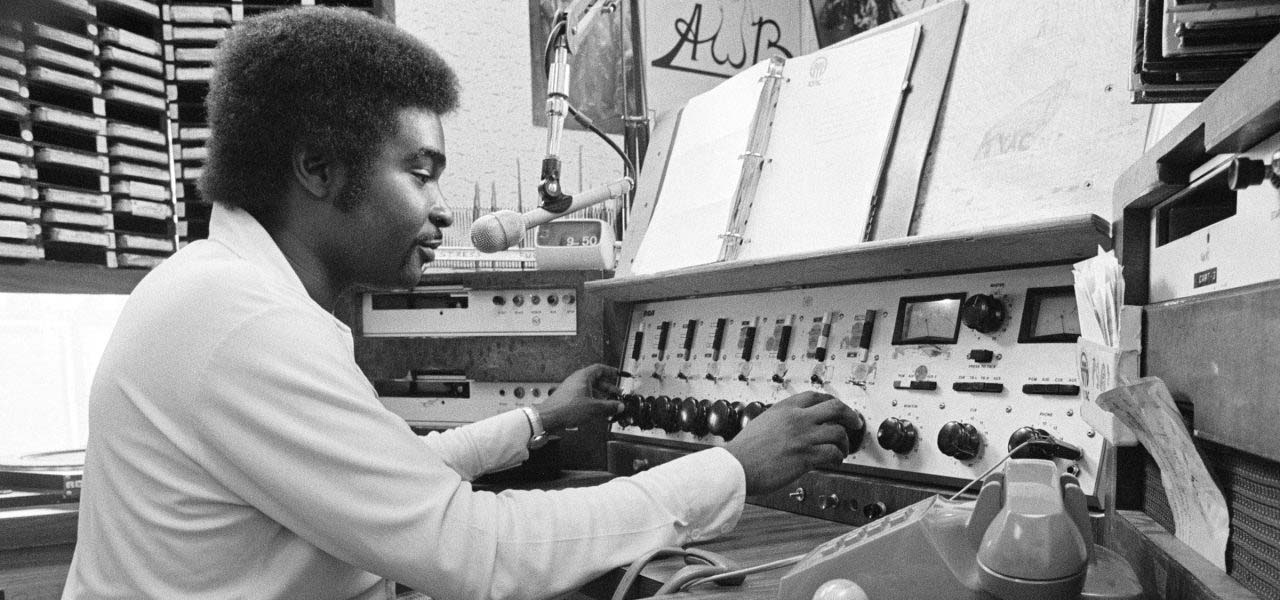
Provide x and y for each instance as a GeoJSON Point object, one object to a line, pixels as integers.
{"type": "Point", "coordinates": [236, 450]}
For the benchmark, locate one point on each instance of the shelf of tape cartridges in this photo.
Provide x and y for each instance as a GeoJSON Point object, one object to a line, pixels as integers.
{"type": "Point", "coordinates": [19, 216]}
{"type": "Point", "coordinates": [142, 205]}
{"type": "Point", "coordinates": [191, 33]}
{"type": "Point", "coordinates": [1061, 240]}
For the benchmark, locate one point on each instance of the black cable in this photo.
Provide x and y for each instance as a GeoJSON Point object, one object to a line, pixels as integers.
{"type": "Point", "coordinates": [586, 122]}
{"type": "Point", "coordinates": [558, 29]}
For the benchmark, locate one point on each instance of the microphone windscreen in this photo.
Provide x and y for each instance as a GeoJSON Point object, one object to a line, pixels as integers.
{"type": "Point", "coordinates": [498, 231]}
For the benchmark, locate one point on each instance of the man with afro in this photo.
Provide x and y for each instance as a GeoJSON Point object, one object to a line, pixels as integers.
{"type": "Point", "coordinates": [236, 450]}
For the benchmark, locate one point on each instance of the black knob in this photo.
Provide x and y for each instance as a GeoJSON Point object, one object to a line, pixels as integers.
{"type": "Point", "coordinates": [959, 440]}
{"type": "Point", "coordinates": [723, 419]}
{"type": "Point", "coordinates": [874, 510]}
{"type": "Point", "coordinates": [630, 410]}
{"type": "Point", "coordinates": [749, 412]}
{"type": "Point", "coordinates": [666, 414]}
{"type": "Point", "coordinates": [1043, 445]}
{"type": "Point", "coordinates": [898, 435]}
{"type": "Point", "coordinates": [644, 417]}
{"type": "Point", "coordinates": [691, 417]}
{"type": "Point", "coordinates": [856, 432]}
{"type": "Point", "coordinates": [1245, 172]}
{"type": "Point", "coordinates": [1039, 449]}
{"type": "Point", "coordinates": [982, 313]}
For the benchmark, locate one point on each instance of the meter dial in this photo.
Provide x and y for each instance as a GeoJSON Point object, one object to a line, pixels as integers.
{"type": "Point", "coordinates": [1050, 315]}
{"type": "Point", "coordinates": [928, 320]}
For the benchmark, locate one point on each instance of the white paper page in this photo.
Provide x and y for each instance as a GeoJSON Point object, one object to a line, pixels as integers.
{"type": "Point", "coordinates": [831, 136]}
{"type": "Point", "coordinates": [702, 176]}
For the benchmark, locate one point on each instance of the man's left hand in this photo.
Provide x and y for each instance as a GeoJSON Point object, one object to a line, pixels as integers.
{"type": "Point", "coordinates": [589, 393]}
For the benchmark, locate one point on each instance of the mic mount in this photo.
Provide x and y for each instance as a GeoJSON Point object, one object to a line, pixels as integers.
{"type": "Point", "coordinates": [570, 24]}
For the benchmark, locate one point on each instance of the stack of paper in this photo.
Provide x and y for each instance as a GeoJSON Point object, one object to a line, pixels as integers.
{"type": "Point", "coordinates": [1099, 297]}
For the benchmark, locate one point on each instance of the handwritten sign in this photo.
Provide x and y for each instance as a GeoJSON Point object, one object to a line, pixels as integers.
{"type": "Point", "coordinates": [692, 46]}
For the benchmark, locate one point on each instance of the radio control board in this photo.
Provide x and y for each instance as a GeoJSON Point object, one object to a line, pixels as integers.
{"type": "Point", "coordinates": [948, 372]}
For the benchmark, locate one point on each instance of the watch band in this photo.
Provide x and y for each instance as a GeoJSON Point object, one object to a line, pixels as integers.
{"type": "Point", "coordinates": [538, 435]}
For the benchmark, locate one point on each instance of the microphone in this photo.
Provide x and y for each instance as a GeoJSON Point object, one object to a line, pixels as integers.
{"type": "Point", "coordinates": [498, 231]}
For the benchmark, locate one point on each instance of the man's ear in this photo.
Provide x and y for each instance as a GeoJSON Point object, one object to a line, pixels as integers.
{"type": "Point", "coordinates": [318, 172]}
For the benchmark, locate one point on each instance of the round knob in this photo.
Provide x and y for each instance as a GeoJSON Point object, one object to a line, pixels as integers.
{"type": "Point", "coordinates": [666, 414]}
{"type": "Point", "coordinates": [982, 313]}
{"type": "Point", "coordinates": [749, 412]}
{"type": "Point", "coordinates": [1043, 450]}
{"type": "Point", "coordinates": [723, 419]}
{"type": "Point", "coordinates": [959, 440]}
{"type": "Point", "coordinates": [856, 433]}
{"type": "Point", "coordinates": [630, 410]}
{"type": "Point", "coordinates": [1245, 172]}
{"type": "Point", "coordinates": [874, 510]}
{"type": "Point", "coordinates": [644, 417]}
{"type": "Point", "coordinates": [691, 418]}
{"type": "Point", "coordinates": [898, 435]}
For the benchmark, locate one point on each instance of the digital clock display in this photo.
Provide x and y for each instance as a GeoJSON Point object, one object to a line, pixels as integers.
{"type": "Point", "coordinates": [569, 233]}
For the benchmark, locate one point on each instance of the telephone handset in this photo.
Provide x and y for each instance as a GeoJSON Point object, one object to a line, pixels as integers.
{"type": "Point", "coordinates": [1026, 537]}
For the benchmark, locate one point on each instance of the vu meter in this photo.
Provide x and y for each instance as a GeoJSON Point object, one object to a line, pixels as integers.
{"type": "Point", "coordinates": [928, 319]}
{"type": "Point", "coordinates": [1050, 316]}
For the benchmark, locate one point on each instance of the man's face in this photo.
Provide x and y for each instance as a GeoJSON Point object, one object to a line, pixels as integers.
{"type": "Point", "coordinates": [395, 225]}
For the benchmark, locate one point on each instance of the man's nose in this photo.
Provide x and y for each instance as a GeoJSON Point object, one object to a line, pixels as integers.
{"type": "Point", "coordinates": [440, 215]}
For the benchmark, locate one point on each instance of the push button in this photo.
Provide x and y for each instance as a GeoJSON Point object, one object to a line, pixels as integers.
{"type": "Point", "coordinates": [978, 386]}
{"type": "Point", "coordinates": [1051, 389]}
{"type": "Point", "coordinates": [982, 356]}
{"type": "Point", "coordinates": [915, 385]}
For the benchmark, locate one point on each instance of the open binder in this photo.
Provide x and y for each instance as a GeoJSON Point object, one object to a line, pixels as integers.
{"type": "Point", "coordinates": [786, 157]}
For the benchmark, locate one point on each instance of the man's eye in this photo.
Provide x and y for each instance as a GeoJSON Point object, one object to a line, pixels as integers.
{"type": "Point", "coordinates": [424, 177]}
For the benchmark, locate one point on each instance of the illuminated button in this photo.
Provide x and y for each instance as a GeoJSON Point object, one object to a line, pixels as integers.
{"type": "Point", "coordinates": [978, 386]}
{"type": "Point", "coordinates": [916, 385]}
{"type": "Point", "coordinates": [1051, 389]}
{"type": "Point", "coordinates": [982, 356]}
{"type": "Point", "coordinates": [535, 299]}
{"type": "Point", "coordinates": [517, 300]}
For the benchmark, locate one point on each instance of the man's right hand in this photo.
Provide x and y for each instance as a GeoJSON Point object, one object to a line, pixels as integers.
{"type": "Point", "coordinates": [795, 435]}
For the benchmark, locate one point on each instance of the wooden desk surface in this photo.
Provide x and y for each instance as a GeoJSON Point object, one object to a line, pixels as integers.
{"type": "Point", "coordinates": [762, 535]}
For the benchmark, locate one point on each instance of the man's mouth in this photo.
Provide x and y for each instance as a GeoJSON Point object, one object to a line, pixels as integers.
{"type": "Point", "coordinates": [426, 249]}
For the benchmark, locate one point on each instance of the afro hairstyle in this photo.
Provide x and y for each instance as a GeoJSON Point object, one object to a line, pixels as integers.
{"type": "Point", "coordinates": [333, 79]}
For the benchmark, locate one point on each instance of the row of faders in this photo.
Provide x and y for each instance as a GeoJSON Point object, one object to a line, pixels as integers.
{"type": "Point", "coordinates": [191, 35]}
{"type": "Point", "coordinates": [70, 122]}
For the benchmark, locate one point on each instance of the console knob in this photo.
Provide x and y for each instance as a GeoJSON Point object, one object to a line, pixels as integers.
{"type": "Point", "coordinates": [644, 417]}
{"type": "Point", "coordinates": [898, 435]}
{"type": "Point", "coordinates": [630, 410]}
{"type": "Point", "coordinates": [723, 419]}
{"type": "Point", "coordinates": [856, 433]}
{"type": "Point", "coordinates": [691, 418]}
{"type": "Point", "coordinates": [748, 412]}
{"type": "Point", "coordinates": [666, 414]}
{"type": "Point", "coordinates": [959, 440]}
{"type": "Point", "coordinates": [982, 313]}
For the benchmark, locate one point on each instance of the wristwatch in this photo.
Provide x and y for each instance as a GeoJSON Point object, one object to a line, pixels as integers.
{"type": "Point", "coordinates": [538, 437]}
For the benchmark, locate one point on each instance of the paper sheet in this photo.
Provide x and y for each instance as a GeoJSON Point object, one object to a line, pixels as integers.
{"type": "Point", "coordinates": [702, 175]}
{"type": "Point", "coordinates": [831, 137]}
